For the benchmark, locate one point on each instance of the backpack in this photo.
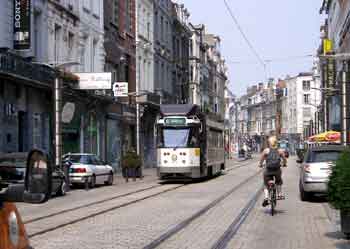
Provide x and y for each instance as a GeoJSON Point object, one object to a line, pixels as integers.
{"type": "Point", "coordinates": [273, 160]}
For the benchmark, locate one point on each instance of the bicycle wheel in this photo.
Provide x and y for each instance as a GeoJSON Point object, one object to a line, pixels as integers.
{"type": "Point", "coordinates": [273, 200]}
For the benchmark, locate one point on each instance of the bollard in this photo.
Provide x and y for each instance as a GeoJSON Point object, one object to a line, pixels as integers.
{"type": "Point", "coordinates": [86, 183]}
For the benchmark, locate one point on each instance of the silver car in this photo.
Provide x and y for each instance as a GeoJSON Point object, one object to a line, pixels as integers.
{"type": "Point", "coordinates": [316, 169]}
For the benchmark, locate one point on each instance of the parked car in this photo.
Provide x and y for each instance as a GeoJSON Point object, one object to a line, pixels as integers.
{"type": "Point", "coordinates": [13, 170]}
{"type": "Point", "coordinates": [88, 167]}
{"type": "Point", "coordinates": [316, 168]}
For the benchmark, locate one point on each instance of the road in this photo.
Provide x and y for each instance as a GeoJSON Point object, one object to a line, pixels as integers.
{"type": "Point", "coordinates": [223, 212]}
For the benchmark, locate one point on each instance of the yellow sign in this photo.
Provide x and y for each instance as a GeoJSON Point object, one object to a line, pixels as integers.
{"type": "Point", "coordinates": [327, 46]}
{"type": "Point", "coordinates": [197, 152]}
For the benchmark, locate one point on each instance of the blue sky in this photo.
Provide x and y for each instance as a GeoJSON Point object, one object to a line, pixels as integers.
{"type": "Point", "coordinates": [278, 29]}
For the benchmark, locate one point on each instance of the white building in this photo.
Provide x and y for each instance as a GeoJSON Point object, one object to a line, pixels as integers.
{"type": "Point", "coordinates": [302, 101]}
{"type": "Point", "coordinates": [144, 45]}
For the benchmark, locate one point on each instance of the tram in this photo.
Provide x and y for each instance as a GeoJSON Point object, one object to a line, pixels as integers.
{"type": "Point", "coordinates": [190, 144]}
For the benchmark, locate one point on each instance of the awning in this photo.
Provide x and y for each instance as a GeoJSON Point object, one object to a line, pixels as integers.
{"type": "Point", "coordinates": [328, 136]}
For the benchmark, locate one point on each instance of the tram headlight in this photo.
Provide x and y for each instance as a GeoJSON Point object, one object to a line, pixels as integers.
{"type": "Point", "coordinates": [174, 157]}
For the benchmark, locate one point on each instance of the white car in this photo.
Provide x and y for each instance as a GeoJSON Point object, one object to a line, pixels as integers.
{"type": "Point", "coordinates": [88, 167]}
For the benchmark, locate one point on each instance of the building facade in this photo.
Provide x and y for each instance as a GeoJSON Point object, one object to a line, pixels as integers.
{"type": "Point", "coordinates": [335, 72]}
{"type": "Point", "coordinates": [163, 54]}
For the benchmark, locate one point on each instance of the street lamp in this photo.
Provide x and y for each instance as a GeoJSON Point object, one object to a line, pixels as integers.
{"type": "Point", "coordinates": [57, 105]}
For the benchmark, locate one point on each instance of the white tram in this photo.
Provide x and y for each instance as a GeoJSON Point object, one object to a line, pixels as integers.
{"type": "Point", "coordinates": [189, 143]}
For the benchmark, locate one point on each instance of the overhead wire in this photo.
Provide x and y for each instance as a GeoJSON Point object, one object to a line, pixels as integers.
{"type": "Point", "coordinates": [250, 45]}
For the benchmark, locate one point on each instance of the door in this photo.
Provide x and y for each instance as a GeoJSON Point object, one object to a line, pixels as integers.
{"type": "Point", "coordinates": [101, 174]}
{"type": "Point", "coordinates": [22, 131]}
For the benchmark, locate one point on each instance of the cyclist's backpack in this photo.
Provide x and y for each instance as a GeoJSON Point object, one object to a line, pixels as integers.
{"type": "Point", "coordinates": [273, 160]}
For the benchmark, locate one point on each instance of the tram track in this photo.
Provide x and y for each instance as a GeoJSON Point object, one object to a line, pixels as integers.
{"type": "Point", "coordinates": [185, 223]}
{"type": "Point", "coordinates": [110, 199]}
{"type": "Point", "coordinates": [106, 200]}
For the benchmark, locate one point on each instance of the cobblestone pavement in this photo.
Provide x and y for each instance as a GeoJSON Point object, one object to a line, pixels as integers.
{"type": "Point", "coordinates": [137, 225]}
{"type": "Point", "coordinates": [297, 225]}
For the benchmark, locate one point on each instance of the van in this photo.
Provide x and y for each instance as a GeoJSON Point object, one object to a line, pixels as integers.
{"type": "Point", "coordinates": [36, 189]}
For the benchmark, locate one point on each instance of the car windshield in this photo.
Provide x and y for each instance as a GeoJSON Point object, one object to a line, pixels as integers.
{"type": "Point", "coordinates": [323, 156]}
{"type": "Point", "coordinates": [85, 159]}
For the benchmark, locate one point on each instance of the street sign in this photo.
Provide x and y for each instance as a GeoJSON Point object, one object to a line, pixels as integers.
{"type": "Point", "coordinates": [120, 89]}
{"type": "Point", "coordinates": [68, 112]}
{"type": "Point", "coordinates": [94, 81]}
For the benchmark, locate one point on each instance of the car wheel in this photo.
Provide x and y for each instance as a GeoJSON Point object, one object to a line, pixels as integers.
{"type": "Point", "coordinates": [304, 196]}
{"type": "Point", "coordinates": [110, 179]}
{"type": "Point", "coordinates": [62, 189]}
{"type": "Point", "coordinates": [93, 181]}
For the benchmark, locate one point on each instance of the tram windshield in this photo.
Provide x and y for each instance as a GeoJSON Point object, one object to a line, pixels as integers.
{"type": "Point", "coordinates": [178, 137]}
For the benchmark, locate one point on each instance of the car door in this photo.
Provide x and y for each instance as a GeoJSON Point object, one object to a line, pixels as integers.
{"type": "Point", "coordinates": [100, 170]}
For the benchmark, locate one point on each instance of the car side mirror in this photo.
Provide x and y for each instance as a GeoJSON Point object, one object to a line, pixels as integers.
{"type": "Point", "coordinates": [37, 186]}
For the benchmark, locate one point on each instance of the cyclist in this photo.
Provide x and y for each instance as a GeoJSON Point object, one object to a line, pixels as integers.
{"type": "Point", "coordinates": [273, 157]}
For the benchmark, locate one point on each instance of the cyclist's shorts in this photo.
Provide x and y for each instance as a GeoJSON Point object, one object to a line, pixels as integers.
{"type": "Point", "coordinates": [268, 175]}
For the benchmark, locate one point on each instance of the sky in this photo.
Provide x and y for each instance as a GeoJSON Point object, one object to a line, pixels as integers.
{"type": "Point", "coordinates": [284, 31]}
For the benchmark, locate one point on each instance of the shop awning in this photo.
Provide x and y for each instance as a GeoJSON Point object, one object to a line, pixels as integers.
{"type": "Point", "coordinates": [328, 136]}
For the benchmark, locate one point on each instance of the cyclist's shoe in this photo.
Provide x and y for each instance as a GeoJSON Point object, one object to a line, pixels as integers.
{"type": "Point", "coordinates": [265, 202]}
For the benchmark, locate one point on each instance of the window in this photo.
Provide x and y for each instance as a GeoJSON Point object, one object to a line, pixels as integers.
{"type": "Point", "coordinates": [93, 57]}
{"type": "Point", "coordinates": [307, 112]}
{"type": "Point", "coordinates": [115, 12]}
{"type": "Point", "coordinates": [127, 15]}
{"type": "Point", "coordinates": [161, 28]}
{"type": "Point", "coordinates": [96, 7]}
{"type": "Point", "coordinates": [57, 34]}
{"type": "Point", "coordinates": [306, 85]}
{"type": "Point", "coordinates": [148, 30]}
{"type": "Point", "coordinates": [306, 98]}
{"type": "Point", "coordinates": [70, 42]}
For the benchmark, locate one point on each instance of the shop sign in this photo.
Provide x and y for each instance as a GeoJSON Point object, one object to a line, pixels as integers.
{"type": "Point", "coordinates": [94, 81]}
{"type": "Point", "coordinates": [21, 24]}
{"type": "Point", "coordinates": [331, 73]}
{"type": "Point", "coordinates": [120, 89]}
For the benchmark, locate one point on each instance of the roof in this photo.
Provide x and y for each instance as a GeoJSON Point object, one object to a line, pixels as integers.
{"type": "Point", "coordinates": [181, 109]}
{"type": "Point", "coordinates": [328, 147]}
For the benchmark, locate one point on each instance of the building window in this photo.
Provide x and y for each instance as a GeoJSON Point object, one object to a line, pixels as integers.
{"type": "Point", "coordinates": [93, 55]}
{"type": "Point", "coordinates": [162, 28]}
{"type": "Point", "coordinates": [148, 31]}
{"type": "Point", "coordinates": [306, 98]}
{"type": "Point", "coordinates": [57, 34]}
{"type": "Point", "coordinates": [306, 85]}
{"type": "Point", "coordinates": [307, 112]}
{"type": "Point", "coordinates": [128, 16]}
{"type": "Point", "coordinates": [96, 7]}
{"type": "Point", "coordinates": [115, 12]}
{"type": "Point", "coordinates": [70, 43]}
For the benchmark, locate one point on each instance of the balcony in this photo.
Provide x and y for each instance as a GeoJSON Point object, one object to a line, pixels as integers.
{"type": "Point", "coordinates": [14, 66]}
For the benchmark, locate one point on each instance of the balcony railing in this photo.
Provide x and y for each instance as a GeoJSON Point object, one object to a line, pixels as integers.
{"type": "Point", "coordinates": [15, 66]}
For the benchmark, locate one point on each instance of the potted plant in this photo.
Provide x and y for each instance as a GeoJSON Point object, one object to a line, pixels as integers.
{"type": "Point", "coordinates": [339, 190]}
{"type": "Point", "coordinates": [131, 165]}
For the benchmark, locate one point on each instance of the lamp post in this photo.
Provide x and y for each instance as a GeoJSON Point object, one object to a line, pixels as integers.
{"type": "Point", "coordinates": [57, 66]}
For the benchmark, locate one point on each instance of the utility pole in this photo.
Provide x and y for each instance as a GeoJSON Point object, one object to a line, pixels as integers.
{"type": "Point", "coordinates": [345, 136]}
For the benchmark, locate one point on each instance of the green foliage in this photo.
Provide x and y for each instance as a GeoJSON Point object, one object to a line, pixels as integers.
{"type": "Point", "coordinates": [131, 160]}
{"type": "Point", "coordinates": [339, 183]}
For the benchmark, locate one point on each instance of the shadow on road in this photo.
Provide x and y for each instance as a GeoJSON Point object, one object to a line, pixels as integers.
{"type": "Point", "coordinates": [343, 244]}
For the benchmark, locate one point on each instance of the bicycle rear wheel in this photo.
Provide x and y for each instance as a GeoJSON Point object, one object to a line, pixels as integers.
{"type": "Point", "coordinates": [272, 200]}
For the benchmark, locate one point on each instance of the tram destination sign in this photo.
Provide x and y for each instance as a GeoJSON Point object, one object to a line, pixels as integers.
{"type": "Point", "coordinates": [175, 121]}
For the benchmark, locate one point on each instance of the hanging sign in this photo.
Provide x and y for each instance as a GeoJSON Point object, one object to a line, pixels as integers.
{"type": "Point", "coordinates": [120, 89]}
{"type": "Point", "coordinates": [21, 24]}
